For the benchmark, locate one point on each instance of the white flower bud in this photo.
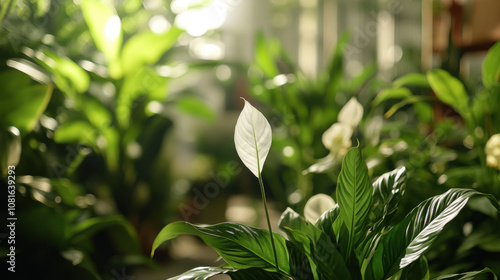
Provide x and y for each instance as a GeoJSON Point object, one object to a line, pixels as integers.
{"type": "Point", "coordinates": [337, 138]}
{"type": "Point", "coordinates": [351, 113]}
{"type": "Point", "coordinates": [317, 205]}
{"type": "Point", "coordinates": [492, 151]}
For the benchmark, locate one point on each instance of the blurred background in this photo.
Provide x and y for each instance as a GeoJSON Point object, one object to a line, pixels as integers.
{"type": "Point", "coordinates": [119, 117]}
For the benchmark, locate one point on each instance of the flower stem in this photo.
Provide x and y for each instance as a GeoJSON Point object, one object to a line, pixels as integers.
{"type": "Point", "coordinates": [268, 221]}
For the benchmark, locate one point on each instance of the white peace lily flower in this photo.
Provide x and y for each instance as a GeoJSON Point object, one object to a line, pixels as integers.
{"type": "Point", "coordinates": [351, 113]}
{"type": "Point", "coordinates": [317, 205]}
{"type": "Point", "coordinates": [492, 151]}
{"type": "Point", "coordinates": [337, 138]}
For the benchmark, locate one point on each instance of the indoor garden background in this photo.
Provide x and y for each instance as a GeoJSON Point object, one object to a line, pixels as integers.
{"type": "Point", "coordinates": [162, 139]}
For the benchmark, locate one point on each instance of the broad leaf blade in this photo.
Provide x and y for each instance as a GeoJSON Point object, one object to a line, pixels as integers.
{"type": "Point", "coordinates": [241, 246]}
{"type": "Point", "coordinates": [354, 195]}
{"type": "Point", "coordinates": [491, 66]}
{"type": "Point", "coordinates": [448, 89]}
{"type": "Point", "coordinates": [104, 26]}
{"type": "Point", "coordinates": [147, 48]}
{"type": "Point", "coordinates": [205, 272]}
{"type": "Point", "coordinates": [22, 103]}
{"type": "Point", "coordinates": [413, 236]}
{"type": "Point", "coordinates": [252, 138]}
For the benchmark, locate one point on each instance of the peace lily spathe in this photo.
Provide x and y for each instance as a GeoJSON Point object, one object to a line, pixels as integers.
{"type": "Point", "coordinates": [492, 151]}
{"type": "Point", "coordinates": [252, 138]}
{"type": "Point", "coordinates": [317, 205]}
{"type": "Point", "coordinates": [337, 138]}
{"type": "Point", "coordinates": [351, 113]}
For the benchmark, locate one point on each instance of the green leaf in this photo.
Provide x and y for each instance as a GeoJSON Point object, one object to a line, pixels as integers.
{"type": "Point", "coordinates": [448, 89]}
{"type": "Point", "coordinates": [67, 75]}
{"type": "Point", "coordinates": [194, 106]}
{"type": "Point", "coordinates": [418, 270]}
{"type": "Point", "coordinates": [241, 246]}
{"type": "Point", "coordinates": [491, 66]}
{"type": "Point", "coordinates": [326, 262]}
{"type": "Point", "coordinates": [354, 195]}
{"type": "Point", "coordinates": [10, 149]}
{"type": "Point", "coordinates": [387, 192]}
{"type": "Point", "coordinates": [22, 104]}
{"type": "Point", "coordinates": [205, 272]}
{"type": "Point", "coordinates": [143, 81]}
{"type": "Point", "coordinates": [118, 227]}
{"type": "Point", "coordinates": [412, 237]}
{"type": "Point", "coordinates": [412, 80]}
{"type": "Point", "coordinates": [265, 53]}
{"type": "Point", "coordinates": [147, 48]}
{"type": "Point", "coordinates": [485, 274]}
{"type": "Point", "coordinates": [105, 27]}
{"type": "Point", "coordinates": [391, 93]}
{"type": "Point", "coordinates": [325, 222]}
{"type": "Point", "coordinates": [75, 132]}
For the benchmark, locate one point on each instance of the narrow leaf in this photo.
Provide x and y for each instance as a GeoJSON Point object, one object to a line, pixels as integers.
{"type": "Point", "coordinates": [412, 80]}
{"type": "Point", "coordinates": [391, 93]}
{"type": "Point", "coordinates": [241, 246]}
{"type": "Point", "coordinates": [354, 195]}
{"type": "Point", "coordinates": [252, 138]}
{"type": "Point", "coordinates": [491, 66]}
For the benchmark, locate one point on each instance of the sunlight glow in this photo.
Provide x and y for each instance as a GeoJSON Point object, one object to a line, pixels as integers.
{"type": "Point", "coordinates": [198, 21]}
{"type": "Point", "coordinates": [112, 28]}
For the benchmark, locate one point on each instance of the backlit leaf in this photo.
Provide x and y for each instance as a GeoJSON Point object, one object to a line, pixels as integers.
{"type": "Point", "coordinates": [252, 138]}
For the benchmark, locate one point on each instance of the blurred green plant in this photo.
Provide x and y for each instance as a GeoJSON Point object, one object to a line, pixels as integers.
{"type": "Point", "coordinates": [303, 108]}
{"type": "Point", "coordinates": [446, 148]}
{"type": "Point", "coordinates": [85, 93]}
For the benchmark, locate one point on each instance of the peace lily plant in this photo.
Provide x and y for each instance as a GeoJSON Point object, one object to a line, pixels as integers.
{"type": "Point", "coordinates": [353, 237]}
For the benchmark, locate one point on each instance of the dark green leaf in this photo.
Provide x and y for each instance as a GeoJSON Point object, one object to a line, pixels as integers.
{"type": "Point", "coordinates": [387, 192]}
{"type": "Point", "coordinates": [325, 222]}
{"type": "Point", "coordinates": [448, 89]}
{"type": "Point", "coordinates": [413, 236]}
{"type": "Point", "coordinates": [241, 246]}
{"type": "Point", "coordinates": [491, 66]}
{"type": "Point", "coordinates": [118, 227]}
{"type": "Point", "coordinates": [485, 274]}
{"type": "Point", "coordinates": [354, 195]}
{"type": "Point", "coordinates": [390, 93]}
{"type": "Point", "coordinates": [324, 258]}
{"type": "Point", "coordinates": [412, 80]}
{"type": "Point", "coordinates": [418, 270]}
